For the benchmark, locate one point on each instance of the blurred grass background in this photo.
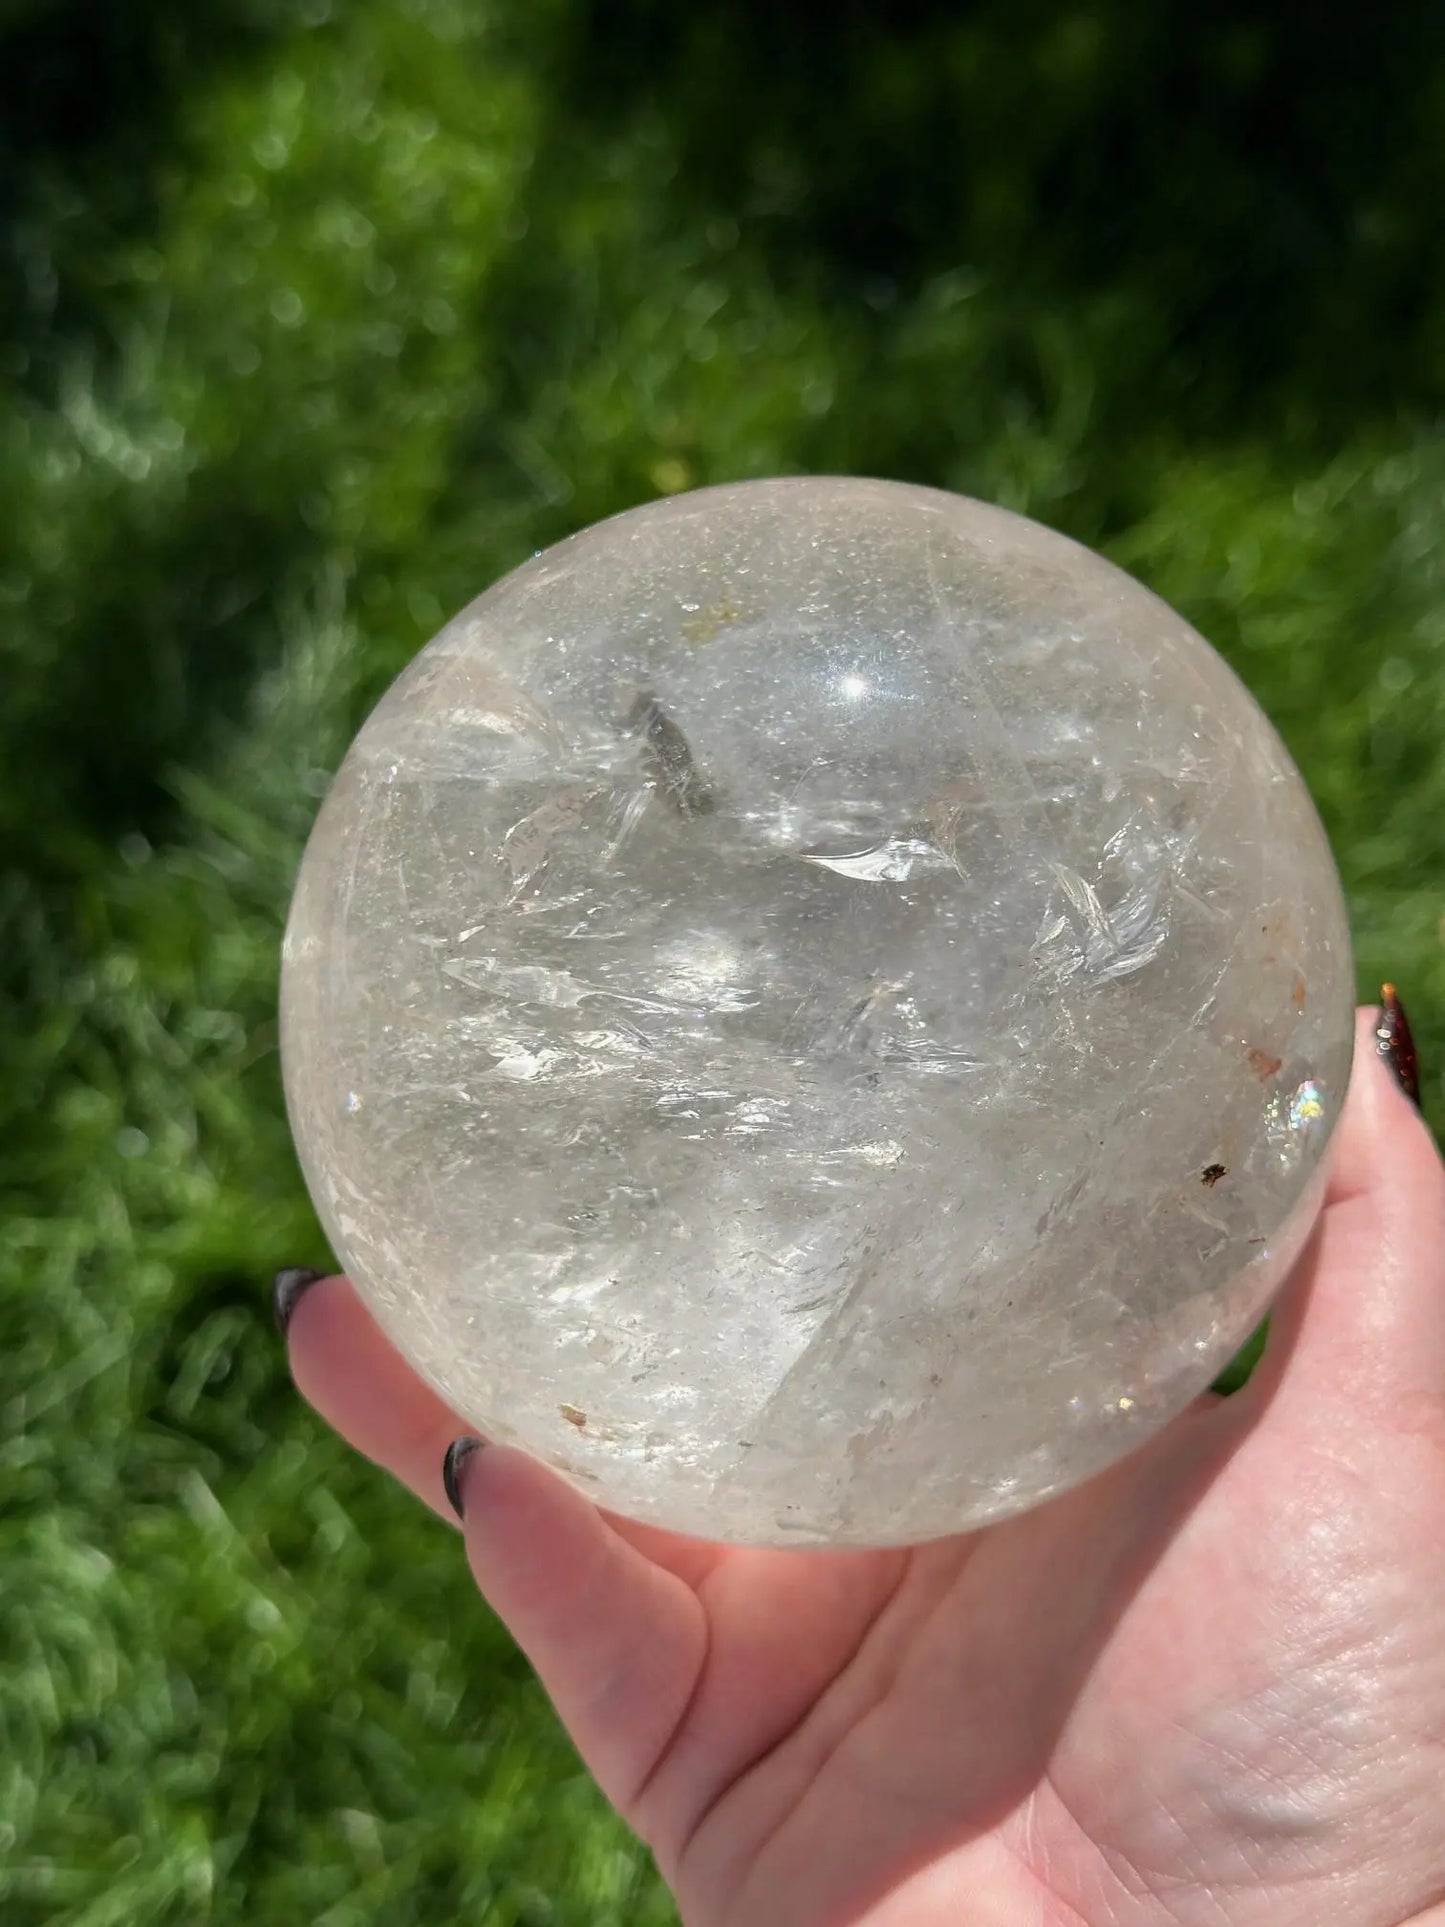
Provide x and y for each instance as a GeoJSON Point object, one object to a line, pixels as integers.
{"type": "Point", "coordinates": [316, 317]}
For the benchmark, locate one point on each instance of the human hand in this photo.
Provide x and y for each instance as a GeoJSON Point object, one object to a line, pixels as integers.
{"type": "Point", "coordinates": [1208, 1686]}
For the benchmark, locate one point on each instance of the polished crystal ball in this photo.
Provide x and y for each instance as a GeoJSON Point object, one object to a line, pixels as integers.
{"type": "Point", "coordinates": [816, 1008]}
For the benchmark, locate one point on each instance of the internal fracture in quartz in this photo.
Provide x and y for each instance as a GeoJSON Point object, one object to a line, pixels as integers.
{"type": "Point", "coordinates": [816, 1007]}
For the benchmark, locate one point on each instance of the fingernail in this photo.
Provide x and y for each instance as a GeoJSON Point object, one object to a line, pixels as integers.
{"type": "Point", "coordinates": [459, 1452]}
{"type": "Point", "coordinates": [1395, 1044]}
{"type": "Point", "coordinates": [287, 1290]}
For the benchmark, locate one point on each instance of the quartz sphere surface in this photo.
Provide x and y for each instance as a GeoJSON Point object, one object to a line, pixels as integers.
{"type": "Point", "coordinates": [816, 1007]}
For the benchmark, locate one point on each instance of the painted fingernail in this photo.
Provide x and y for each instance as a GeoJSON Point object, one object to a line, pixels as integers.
{"type": "Point", "coordinates": [459, 1453]}
{"type": "Point", "coordinates": [287, 1290]}
{"type": "Point", "coordinates": [1395, 1044]}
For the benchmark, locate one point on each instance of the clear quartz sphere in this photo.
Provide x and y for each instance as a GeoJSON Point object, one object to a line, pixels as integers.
{"type": "Point", "coordinates": [816, 1007]}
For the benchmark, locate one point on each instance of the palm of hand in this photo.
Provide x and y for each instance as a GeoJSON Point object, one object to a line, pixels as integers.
{"type": "Point", "coordinates": [1187, 1693]}
{"type": "Point", "coordinates": [1207, 1686]}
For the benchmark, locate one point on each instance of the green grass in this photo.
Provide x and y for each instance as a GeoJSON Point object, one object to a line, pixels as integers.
{"type": "Point", "coordinates": [314, 319]}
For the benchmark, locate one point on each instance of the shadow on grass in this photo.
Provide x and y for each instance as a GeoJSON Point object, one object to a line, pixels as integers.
{"type": "Point", "coordinates": [166, 647]}
{"type": "Point", "coordinates": [1258, 188]}
{"type": "Point", "coordinates": [91, 103]}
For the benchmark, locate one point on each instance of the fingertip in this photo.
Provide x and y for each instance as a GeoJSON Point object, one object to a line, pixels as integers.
{"type": "Point", "coordinates": [530, 1535]}
{"type": "Point", "coordinates": [322, 1318]}
{"type": "Point", "coordinates": [454, 1467]}
{"type": "Point", "coordinates": [1382, 1144]}
{"type": "Point", "coordinates": [351, 1375]}
{"type": "Point", "coordinates": [289, 1286]}
{"type": "Point", "coordinates": [1395, 1043]}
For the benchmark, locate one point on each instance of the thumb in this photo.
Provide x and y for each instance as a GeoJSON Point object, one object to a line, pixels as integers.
{"type": "Point", "coordinates": [1362, 1321]}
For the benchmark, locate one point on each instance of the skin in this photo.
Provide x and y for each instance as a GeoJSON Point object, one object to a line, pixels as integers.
{"type": "Point", "coordinates": [1207, 1687]}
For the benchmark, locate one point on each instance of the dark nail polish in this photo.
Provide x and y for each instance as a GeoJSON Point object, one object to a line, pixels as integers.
{"type": "Point", "coordinates": [287, 1291]}
{"type": "Point", "coordinates": [454, 1464]}
{"type": "Point", "coordinates": [1395, 1044]}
